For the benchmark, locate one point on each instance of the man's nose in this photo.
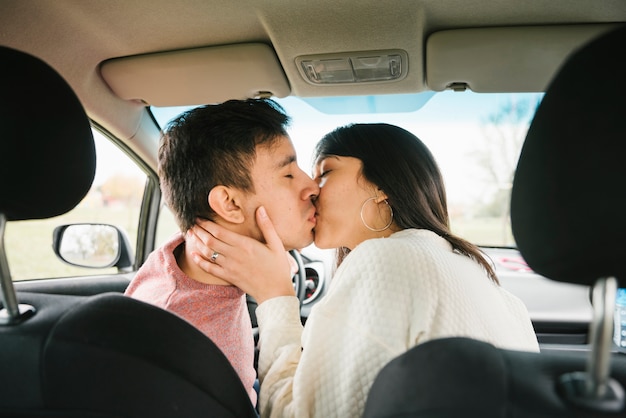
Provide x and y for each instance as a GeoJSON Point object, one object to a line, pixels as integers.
{"type": "Point", "coordinates": [312, 189]}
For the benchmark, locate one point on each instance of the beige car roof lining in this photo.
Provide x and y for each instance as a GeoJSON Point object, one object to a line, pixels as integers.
{"type": "Point", "coordinates": [77, 37]}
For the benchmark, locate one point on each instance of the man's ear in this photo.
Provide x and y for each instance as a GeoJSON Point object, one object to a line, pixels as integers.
{"type": "Point", "coordinates": [225, 202]}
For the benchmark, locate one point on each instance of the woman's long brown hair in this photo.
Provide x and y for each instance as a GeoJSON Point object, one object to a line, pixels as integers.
{"type": "Point", "coordinates": [401, 165]}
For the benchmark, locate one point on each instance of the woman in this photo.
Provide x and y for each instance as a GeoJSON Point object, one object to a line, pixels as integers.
{"type": "Point", "coordinates": [402, 279]}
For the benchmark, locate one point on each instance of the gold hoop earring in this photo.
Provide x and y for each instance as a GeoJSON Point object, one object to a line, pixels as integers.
{"type": "Point", "coordinates": [376, 229]}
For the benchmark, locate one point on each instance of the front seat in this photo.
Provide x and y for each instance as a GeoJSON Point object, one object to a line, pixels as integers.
{"type": "Point", "coordinates": [568, 214]}
{"type": "Point", "coordinates": [71, 356]}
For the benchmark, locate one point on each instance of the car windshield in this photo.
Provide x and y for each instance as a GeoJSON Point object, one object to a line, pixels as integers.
{"type": "Point", "coordinates": [475, 138]}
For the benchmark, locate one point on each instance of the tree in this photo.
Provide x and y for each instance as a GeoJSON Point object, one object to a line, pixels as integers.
{"type": "Point", "coordinates": [503, 135]}
{"type": "Point", "coordinates": [122, 189]}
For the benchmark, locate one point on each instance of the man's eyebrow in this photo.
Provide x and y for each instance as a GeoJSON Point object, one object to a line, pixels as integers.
{"type": "Point", "coordinates": [286, 161]}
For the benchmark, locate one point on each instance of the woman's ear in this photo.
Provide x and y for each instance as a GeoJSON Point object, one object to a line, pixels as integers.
{"type": "Point", "coordinates": [380, 196]}
{"type": "Point", "coordinates": [225, 202]}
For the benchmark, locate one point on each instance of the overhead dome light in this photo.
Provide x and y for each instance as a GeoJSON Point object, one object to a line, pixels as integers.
{"type": "Point", "coordinates": [354, 67]}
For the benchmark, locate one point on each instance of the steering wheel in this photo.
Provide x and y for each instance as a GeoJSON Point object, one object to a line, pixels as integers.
{"type": "Point", "coordinates": [299, 279]}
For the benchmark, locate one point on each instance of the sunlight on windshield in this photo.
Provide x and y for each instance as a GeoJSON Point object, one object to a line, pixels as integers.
{"type": "Point", "coordinates": [476, 139]}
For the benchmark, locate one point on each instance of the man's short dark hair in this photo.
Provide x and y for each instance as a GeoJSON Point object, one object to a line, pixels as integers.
{"type": "Point", "coordinates": [214, 145]}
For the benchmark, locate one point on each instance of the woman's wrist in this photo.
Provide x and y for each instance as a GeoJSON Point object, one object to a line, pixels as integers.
{"type": "Point", "coordinates": [268, 294]}
{"type": "Point", "coordinates": [281, 309]}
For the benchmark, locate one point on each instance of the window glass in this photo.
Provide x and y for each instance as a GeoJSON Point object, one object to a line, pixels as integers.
{"type": "Point", "coordinates": [115, 198]}
{"type": "Point", "coordinates": [475, 138]}
{"type": "Point", "coordinates": [166, 225]}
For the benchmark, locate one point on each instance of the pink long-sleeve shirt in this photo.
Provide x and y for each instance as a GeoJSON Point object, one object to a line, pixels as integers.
{"type": "Point", "coordinates": [218, 311]}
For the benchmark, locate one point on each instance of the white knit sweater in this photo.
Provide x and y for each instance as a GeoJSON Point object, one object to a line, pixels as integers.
{"type": "Point", "coordinates": [388, 295]}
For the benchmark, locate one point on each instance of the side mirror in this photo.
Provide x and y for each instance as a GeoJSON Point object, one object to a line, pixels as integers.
{"type": "Point", "coordinates": [92, 246]}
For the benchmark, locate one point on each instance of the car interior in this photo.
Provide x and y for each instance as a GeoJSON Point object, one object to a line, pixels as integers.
{"type": "Point", "coordinates": [87, 87]}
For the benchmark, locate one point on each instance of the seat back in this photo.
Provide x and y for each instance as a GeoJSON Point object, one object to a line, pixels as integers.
{"type": "Point", "coordinates": [568, 214]}
{"type": "Point", "coordinates": [462, 377]}
{"type": "Point", "coordinates": [74, 356]}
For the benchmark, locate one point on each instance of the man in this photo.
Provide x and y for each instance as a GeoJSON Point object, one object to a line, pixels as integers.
{"type": "Point", "coordinates": [222, 162]}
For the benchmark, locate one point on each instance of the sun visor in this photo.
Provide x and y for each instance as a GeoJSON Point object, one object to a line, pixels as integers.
{"type": "Point", "coordinates": [197, 76]}
{"type": "Point", "coordinates": [492, 60]}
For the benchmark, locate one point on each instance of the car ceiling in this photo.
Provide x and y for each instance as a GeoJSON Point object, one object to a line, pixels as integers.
{"type": "Point", "coordinates": [77, 36]}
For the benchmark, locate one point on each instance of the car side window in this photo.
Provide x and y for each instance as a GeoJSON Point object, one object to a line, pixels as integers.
{"type": "Point", "coordinates": [166, 225]}
{"type": "Point", "coordinates": [115, 198]}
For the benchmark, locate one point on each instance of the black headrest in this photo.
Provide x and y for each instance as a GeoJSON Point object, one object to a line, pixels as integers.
{"type": "Point", "coordinates": [47, 153]}
{"type": "Point", "coordinates": [568, 204]}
